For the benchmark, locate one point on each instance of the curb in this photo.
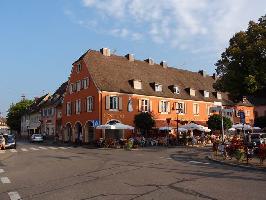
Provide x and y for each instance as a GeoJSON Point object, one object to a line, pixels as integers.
{"type": "Point", "coordinates": [247, 167]}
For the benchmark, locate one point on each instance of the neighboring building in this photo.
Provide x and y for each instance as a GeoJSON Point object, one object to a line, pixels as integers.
{"type": "Point", "coordinates": [259, 105]}
{"type": "Point", "coordinates": [31, 121]}
{"type": "Point", "coordinates": [104, 88]}
{"type": "Point", "coordinates": [51, 110]}
{"type": "Point", "coordinates": [4, 129]}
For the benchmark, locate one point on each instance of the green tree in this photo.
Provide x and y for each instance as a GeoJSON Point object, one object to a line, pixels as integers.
{"type": "Point", "coordinates": [260, 122]}
{"type": "Point", "coordinates": [15, 112]}
{"type": "Point", "coordinates": [242, 67]}
{"type": "Point", "coordinates": [215, 122]}
{"type": "Point", "coordinates": [144, 121]}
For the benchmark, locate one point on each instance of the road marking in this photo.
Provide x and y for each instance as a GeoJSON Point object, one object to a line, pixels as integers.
{"type": "Point", "coordinates": [23, 149]}
{"type": "Point", "coordinates": [2, 171]}
{"type": "Point", "coordinates": [5, 180]}
{"type": "Point", "coordinates": [13, 150]}
{"type": "Point", "coordinates": [34, 149]}
{"type": "Point", "coordinates": [14, 196]}
{"type": "Point", "coordinates": [52, 148]}
{"type": "Point", "coordinates": [2, 151]}
{"type": "Point", "coordinates": [44, 148]}
{"type": "Point", "coordinates": [161, 157]}
{"type": "Point", "coordinates": [62, 148]}
{"type": "Point", "coordinates": [169, 158]}
{"type": "Point", "coordinates": [197, 162]}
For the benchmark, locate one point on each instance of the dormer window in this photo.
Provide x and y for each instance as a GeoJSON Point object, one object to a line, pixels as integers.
{"type": "Point", "coordinates": [176, 90]}
{"type": "Point", "coordinates": [218, 95]}
{"type": "Point", "coordinates": [79, 68]}
{"type": "Point", "coordinates": [192, 92]}
{"type": "Point", "coordinates": [137, 84]}
{"type": "Point", "coordinates": [158, 87]}
{"type": "Point", "coordinates": [206, 94]}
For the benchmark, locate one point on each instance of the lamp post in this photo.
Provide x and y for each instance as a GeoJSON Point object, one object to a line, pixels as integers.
{"type": "Point", "coordinates": [178, 110]}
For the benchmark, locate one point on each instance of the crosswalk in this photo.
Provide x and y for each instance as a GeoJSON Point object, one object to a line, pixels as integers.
{"type": "Point", "coordinates": [31, 149]}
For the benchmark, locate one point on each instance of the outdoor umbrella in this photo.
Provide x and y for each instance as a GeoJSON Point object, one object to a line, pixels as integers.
{"type": "Point", "coordinates": [118, 126]}
{"type": "Point", "coordinates": [241, 126]}
{"type": "Point", "coordinates": [165, 128]}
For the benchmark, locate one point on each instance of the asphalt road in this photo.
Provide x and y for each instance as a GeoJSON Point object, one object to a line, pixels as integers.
{"type": "Point", "coordinates": [41, 172]}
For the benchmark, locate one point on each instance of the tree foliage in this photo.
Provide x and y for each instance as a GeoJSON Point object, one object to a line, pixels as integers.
{"type": "Point", "coordinates": [15, 112]}
{"type": "Point", "coordinates": [215, 122]}
{"type": "Point", "coordinates": [260, 122]}
{"type": "Point", "coordinates": [144, 121]}
{"type": "Point", "coordinates": [242, 67]}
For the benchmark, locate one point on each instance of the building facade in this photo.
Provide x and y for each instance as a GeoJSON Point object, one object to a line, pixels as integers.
{"type": "Point", "coordinates": [104, 87]}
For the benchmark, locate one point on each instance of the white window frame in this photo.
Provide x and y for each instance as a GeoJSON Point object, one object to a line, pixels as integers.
{"type": "Point", "coordinates": [115, 104]}
{"type": "Point", "coordinates": [78, 106]}
{"type": "Point", "coordinates": [158, 88]}
{"type": "Point", "coordinates": [70, 89]}
{"type": "Point", "coordinates": [247, 113]}
{"type": "Point", "coordinates": [68, 108]}
{"type": "Point", "coordinates": [206, 94]}
{"type": "Point", "coordinates": [208, 107]}
{"type": "Point", "coordinates": [164, 107]}
{"type": "Point", "coordinates": [79, 67]}
{"type": "Point", "coordinates": [74, 87]}
{"type": "Point", "coordinates": [219, 95]}
{"type": "Point", "coordinates": [89, 104]}
{"type": "Point", "coordinates": [196, 112]}
{"type": "Point", "coordinates": [145, 105]}
{"type": "Point", "coordinates": [183, 107]}
{"type": "Point", "coordinates": [86, 80]}
{"type": "Point", "coordinates": [137, 84]}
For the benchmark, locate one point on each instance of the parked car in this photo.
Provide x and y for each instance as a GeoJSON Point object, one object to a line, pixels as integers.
{"type": "Point", "coordinates": [36, 138]}
{"type": "Point", "coordinates": [258, 138]}
{"type": "Point", "coordinates": [10, 142]}
{"type": "Point", "coordinates": [2, 142]}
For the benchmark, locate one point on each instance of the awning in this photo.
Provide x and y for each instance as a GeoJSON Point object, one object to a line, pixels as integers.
{"type": "Point", "coordinates": [115, 126]}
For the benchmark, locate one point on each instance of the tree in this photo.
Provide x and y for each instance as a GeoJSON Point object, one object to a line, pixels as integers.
{"type": "Point", "coordinates": [144, 121]}
{"type": "Point", "coordinates": [260, 122]}
{"type": "Point", "coordinates": [15, 112]}
{"type": "Point", "coordinates": [242, 67]}
{"type": "Point", "coordinates": [215, 122]}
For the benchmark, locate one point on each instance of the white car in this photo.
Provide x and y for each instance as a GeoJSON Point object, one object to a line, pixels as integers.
{"type": "Point", "coordinates": [36, 138]}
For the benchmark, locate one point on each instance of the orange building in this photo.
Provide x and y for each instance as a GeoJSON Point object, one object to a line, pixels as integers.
{"type": "Point", "coordinates": [104, 87]}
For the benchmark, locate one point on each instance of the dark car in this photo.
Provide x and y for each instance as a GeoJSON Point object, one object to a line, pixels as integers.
{"type": "Point", "coordinates": [11, 142]}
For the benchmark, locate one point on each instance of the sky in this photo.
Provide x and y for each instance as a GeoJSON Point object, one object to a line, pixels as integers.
{"type": "Point", "coordinates": [39, 40]}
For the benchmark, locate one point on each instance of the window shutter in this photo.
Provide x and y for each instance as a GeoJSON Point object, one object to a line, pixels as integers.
{"type": "Point", "coordinates": [150, 109]}
{"type": "Point", "coordinates": [107, 102]}
{"type": "Point", "coordinates": [160, 106]}
{"type": "Point", "coordinates": [185, 108]}
{"type": "Point", "coordinates": [140, 105]}
{"type": "Point", "coordinates": [168, 106]}
{"type": "Point", "coordinates": [120, 103]}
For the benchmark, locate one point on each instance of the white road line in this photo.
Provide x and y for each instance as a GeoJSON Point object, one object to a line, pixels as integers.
{"type": "Point", "coordinates": [62, 147]}
{"type": "Point", "coordinates": [34, 149]}
{"type": "Point", "coordinates": [54, 148]}
{"type": "Point", "coordinates": [197, 162]}
{"type": "Point", "coordinates": [5, 180]}
{"type": "Point", "coordinates": [44, 148]}
{"type": "Point", "coordinates": [2, 151]}
{"type": "Point", "coordinates": [14, 196]}
{"type": "Point", "coordinates": [13, 150]}
{"type": "Point", "coordinates": [23, 149]}
{"type": "Point", "coordinates": [2, 171]}
{"type": "Point", "coordinates": [169, 158]}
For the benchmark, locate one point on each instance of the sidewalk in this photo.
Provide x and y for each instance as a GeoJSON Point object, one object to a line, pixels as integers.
{"type": "Point", "coordinates": [253, 163]}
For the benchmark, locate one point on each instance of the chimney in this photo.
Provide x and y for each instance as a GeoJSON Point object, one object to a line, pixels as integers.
{"type": "Point", "coordinates": [105, 51]}
{"type": "Point", "coordinates": [214, 76]}
{"type": "Point", "coordinates": [203, 73]}
{"type": "Point", "coordinates": [150, 61]}
{"type": "Point", "coordinates": [130, 57]}
{"type": "Point", "coordinates": [163, 64]}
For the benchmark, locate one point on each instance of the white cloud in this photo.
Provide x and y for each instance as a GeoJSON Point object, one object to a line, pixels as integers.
{"type": "Point", "coordinates": [185, 24]}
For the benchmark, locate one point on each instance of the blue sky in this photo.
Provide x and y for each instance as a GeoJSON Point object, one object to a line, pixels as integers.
{"type": "Point", "coordinates": [41, 39]}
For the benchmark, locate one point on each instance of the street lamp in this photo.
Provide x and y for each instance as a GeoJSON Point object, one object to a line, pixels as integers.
{"type": "Point", "coordinates": [168, 120]}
